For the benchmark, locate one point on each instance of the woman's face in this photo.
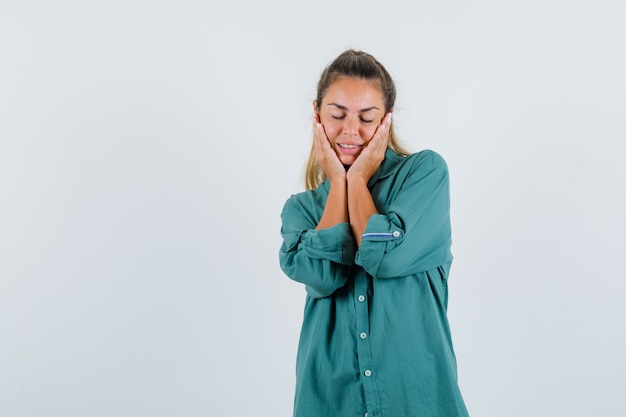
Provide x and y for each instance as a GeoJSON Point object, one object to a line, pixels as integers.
{"type": "Point", "coordinates": [350, 112]}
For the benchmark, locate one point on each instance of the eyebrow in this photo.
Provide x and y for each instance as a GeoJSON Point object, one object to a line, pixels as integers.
{"type": "Point", "coordinates": [360, 111]}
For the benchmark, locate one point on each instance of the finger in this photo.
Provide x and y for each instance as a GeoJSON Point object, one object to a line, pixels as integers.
{"type": "Point", "coordinates": [386, 123]}
{"type": "Point", "coordinates": [317, 136]}
{"type": "Point", "coordinates": [320, 136]}
{"type": "Point", "coordinates": [322, 144]}
{"type": "Point", "coordinates": [320, 132]}
{"type": "Point", "coordinates": [381, 136]}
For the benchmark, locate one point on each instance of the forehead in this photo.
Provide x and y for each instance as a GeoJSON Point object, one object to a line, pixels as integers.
{"type": "Point", "coordinates": [354, 92]}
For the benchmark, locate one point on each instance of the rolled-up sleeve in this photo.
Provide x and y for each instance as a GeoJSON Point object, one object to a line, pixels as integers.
{"type": "Point", "coordinates": [320, 259]}
{"type": "Point", "coordinates": [413, 233]}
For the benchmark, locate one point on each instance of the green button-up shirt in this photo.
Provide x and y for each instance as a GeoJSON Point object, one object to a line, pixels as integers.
{"type": "Point", "coordinates": [375, 339]}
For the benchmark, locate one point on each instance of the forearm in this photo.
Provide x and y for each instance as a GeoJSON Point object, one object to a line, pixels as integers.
{"type": "Point", "coordinates": [336, 208]}
{"type": "Point", "coordinates": [360, 206]}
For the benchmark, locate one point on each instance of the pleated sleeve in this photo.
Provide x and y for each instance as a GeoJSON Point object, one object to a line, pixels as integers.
{"type": "Point", "coordinates": [412, 233]}
{"type": "Point", "coordinates": [320, 259]}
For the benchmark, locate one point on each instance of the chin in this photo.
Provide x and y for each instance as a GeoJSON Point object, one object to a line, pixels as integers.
{"type": "Point", "coordinates": [347, 162]}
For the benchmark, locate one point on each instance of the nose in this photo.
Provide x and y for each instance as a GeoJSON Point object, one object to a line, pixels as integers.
{"type": "Point", "coordinates": [351, 127]}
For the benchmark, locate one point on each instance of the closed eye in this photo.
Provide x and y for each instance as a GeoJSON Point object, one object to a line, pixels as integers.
{"type": "Point", "coordinates": [344, 116]}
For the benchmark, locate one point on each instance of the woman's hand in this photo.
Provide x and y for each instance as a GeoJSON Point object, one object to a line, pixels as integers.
{"type": "Point", "coordinates": [336, 207]}
{"type": "Point", "coordinates": [372, 155]}
{"type": "Point", "coordinates": [326, 156]}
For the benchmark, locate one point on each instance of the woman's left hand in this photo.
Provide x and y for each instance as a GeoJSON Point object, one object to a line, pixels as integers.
{"type": "Point", "coordinates": [373, 154]}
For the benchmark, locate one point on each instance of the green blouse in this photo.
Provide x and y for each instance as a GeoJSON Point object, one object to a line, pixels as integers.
{"type": "Point", "coordinates": [375, 339]}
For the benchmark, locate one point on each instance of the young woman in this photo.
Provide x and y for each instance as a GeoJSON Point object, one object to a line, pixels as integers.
{"type": "Point", "coordinates": [370, 239]}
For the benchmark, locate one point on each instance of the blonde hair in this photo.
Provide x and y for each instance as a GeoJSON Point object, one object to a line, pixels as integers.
{"type": "Point", "coordinates": [357, 64]}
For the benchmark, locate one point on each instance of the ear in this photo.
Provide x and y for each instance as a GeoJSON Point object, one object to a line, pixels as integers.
{"type": "Point", "coordinates": [316, 113]}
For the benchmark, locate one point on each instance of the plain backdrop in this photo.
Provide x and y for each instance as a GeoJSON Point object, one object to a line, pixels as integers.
{"type": "Point", "coordinates": [147, 149]}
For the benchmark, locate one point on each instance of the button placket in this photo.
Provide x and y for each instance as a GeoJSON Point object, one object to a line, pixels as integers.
{"type": "Point", "coordinates": [364, 354]}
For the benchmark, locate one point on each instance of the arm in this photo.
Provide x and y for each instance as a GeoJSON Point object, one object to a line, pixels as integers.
{"type": "Point", "coordinates": [361, 205]}
{"type": "Point", "coordinates": [413, 234]}
{"type": "Point", "coordinates": [320, 259]}
{"type": "Point", "coordinates": [318, 248]}
{"type": "Point", "coordinates": [336, 206]}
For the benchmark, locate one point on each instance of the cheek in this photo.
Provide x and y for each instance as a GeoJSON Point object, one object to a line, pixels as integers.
{"type": "Point", "coordinates": [368, 132]}
{"type": "Point", "coordinates": [332, 129]}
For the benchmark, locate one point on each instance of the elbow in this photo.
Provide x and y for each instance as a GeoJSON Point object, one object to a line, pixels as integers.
{"type": "Point", "coordinates": [317, 291]}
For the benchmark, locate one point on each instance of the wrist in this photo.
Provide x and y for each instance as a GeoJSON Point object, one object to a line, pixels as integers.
{"type": "Point", "coordinates": [356, 179]}
{"type": "Point", "coordinates": [338, 182]}
{"type": "Point", "coordinates": [337, 177]}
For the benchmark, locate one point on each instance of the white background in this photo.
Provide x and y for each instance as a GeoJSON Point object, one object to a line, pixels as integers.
{"type": "Point", "coordinates": [147, 148]}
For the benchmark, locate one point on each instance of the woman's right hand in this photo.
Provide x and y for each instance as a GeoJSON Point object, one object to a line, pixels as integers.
{"type": "Point", "coordinates": [326, 155]}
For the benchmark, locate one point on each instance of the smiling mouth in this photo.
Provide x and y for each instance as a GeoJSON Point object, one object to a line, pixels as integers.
{"type": "Point", "coordinates": [347, 146]}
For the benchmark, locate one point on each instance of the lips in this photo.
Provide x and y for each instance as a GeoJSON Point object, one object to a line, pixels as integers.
{"type": "Point", "coordinates": [348, 149]}
{"type": "Point", "coordinates": [348, 146]}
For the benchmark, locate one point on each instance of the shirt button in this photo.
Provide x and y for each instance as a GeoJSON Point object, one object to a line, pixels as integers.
{"type": "Point", "coordinates": [367, 372]}
{"type": "Point", "coordinates": [363, 335]}
{"type": "Point", "coordinates": [396, 234]}
{"type": "Point", "coordinates": [361, 298]}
